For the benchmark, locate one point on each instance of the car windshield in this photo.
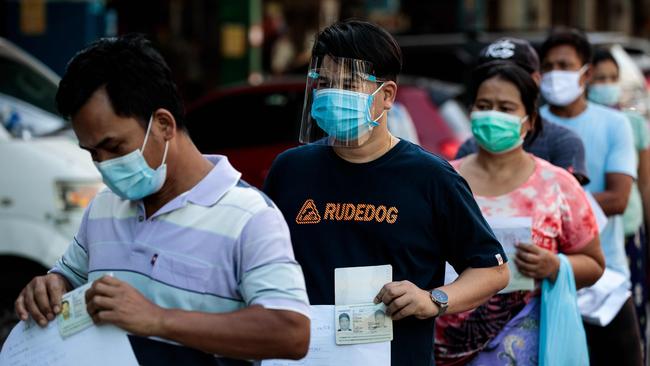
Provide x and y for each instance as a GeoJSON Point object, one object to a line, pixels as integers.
{"type": "Point", "coordinates": [23, 82]}
{"type": "Point", "coordinates": [23, 120]}
{"type": "Point", "coordinates": [27, 101]}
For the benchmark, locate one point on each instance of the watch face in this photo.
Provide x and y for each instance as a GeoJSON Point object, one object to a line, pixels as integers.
{"type": "Point", "coordinates": [439, 296]}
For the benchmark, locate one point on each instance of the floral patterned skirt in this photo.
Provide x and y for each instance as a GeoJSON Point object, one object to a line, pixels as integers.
{"type": "Point", "coordinates": [517, 344]}
{"type": "Point", "coordinates": [503, 331]}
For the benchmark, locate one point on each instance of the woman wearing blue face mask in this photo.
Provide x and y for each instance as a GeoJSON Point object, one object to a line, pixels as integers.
{"type": "Point", "coordinates": [605, 89]}
{"type": "Point", "coordinates": [508, 182]}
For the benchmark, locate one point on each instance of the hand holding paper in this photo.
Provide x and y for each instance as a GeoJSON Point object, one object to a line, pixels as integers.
{"type": "Point", "coordinates": [355, 331]}
{"type": "Point", "coordinates": [359, 319]}
{"type": "Point", "coordinates": [405, 299]}
{"type": "Point", "coordinates": [323, 350]}
{"type": "Point", "coordinates": [70, 340]}
{"type": "Point", "coordinates": [111, 301]}
{"type": "Point", "coordinates": [510, 231]}
{"type": "Point", "coordinates": [536, 262]}
{"type": "Point", "coordinates": [40, 299]}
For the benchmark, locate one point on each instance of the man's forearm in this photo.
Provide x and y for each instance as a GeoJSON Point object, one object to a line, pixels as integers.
{"type": "Point", "coordinates": [475, 286]}
{"type": "Point", "coordinates": [251, 333]}
{"type": "Point", "coordinates": [612, 203]}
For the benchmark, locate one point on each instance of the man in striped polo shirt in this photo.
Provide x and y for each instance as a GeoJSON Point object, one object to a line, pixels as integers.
{"type": "Point", "coordinates": [197, 256]}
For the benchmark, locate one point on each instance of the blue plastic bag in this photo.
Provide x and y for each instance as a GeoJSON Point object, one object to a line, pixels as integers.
{"type": "Point", "coordinates": [562, 339]}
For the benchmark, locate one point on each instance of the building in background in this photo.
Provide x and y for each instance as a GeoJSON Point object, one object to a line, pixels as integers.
{"type": "Point", "coordinates": [210, 43]}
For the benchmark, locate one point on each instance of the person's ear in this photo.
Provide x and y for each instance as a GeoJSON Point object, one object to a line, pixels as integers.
{"type": "Point", "coordinates": [389, 92]}
{"type": "Point", "coordinates": [165, 123]}
{"type": "Point", "coordinates": [529, 124]}
{"type": "Point", "coordinates": [587, 75]}
{"type": "Point", "coordinates": [537, 77]}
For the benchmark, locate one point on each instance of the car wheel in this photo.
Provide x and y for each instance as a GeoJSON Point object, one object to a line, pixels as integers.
{"type": "Point", "coordinates": [20, 271]}
{"type": "Point", "coordinates": [8, 320]}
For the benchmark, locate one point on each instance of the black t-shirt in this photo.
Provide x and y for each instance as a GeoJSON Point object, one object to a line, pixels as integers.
{"type": "Point", "coordinates": [409, 208]}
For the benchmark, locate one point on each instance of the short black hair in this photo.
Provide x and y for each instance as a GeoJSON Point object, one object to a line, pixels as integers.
{"type": "Point", "coordinates": [135, 75]}
{"type": "Point", "coordinates": [344, 315]}
{"type": "Point", "coordinates": [602, 55]}
{"type": "Point", "coordinates": [522, 80]}
{"type": "Point", "coordinates": [364, 41]}
{"type": "Point", "coordinates": [571, 37]}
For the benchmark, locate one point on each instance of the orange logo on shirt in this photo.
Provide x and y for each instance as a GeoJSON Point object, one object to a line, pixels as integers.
{"type": "Point", "coordinates": [308, 214]}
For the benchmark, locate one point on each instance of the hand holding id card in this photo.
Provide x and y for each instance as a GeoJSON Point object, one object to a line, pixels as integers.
{"type": "Point", "coordinates": [358, 319]}
{"type": "Point", "coordinates": [74, 317]}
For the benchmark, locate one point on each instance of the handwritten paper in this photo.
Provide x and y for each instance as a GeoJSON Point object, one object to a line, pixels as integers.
{"type": "Point", "coordinates": [323, 350]}
{"type": "Point", "coordinates": [30, 345]}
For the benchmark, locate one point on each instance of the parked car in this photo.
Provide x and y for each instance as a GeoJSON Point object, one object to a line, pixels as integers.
{"type": "Point", "coordinates": [46, 180]}
{"type": "Point", "coordinates": [253, 124]}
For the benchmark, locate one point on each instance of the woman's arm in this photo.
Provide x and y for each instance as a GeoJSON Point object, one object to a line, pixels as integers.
{"type": "Point", "coordinates": [613, 200]}
{"type": "Point", "coordinates": [643, 182]}
{"type": "Point", "coordinates": [588, 263]}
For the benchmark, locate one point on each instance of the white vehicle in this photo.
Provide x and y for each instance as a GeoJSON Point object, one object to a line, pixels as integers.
{"type": "Point", "coordinates": [46, 180]}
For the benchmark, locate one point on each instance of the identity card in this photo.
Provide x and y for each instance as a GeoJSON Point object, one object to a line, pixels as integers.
{"type": "Point", "coordinates": [357, 318]}
{"type": "Point", "coordinates": [73, 317]}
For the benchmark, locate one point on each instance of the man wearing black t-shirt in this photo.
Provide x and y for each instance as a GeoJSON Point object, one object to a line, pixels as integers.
{"type": "Point", "coordinates": [357, 196]}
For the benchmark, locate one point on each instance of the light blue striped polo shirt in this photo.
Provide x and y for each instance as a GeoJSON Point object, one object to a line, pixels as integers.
{"type": "Point", "coordinates": [219, 247]}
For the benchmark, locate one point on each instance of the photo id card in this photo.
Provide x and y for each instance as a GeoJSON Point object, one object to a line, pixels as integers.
{"type": "Point", "coordinates": [362, 323]}
{"type": "Point", "coordinates": [73, 317]}
{"type": "Point", "coordinates": [357, 318]}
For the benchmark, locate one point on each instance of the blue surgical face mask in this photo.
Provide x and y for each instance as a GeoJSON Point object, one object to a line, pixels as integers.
{"type": "Point", "coordinates": [606, 94]}
{"type": "Point", "coordinates": [130, 177]}
{"type": "Point", "coordinates": [344, 114]}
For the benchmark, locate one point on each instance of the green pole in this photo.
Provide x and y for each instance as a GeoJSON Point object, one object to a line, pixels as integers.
{"type": "Point", "coordinates": [239, 24]}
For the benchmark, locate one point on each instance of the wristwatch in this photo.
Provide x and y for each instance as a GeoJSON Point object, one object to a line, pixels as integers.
{"type": "Point", "coordinates": [440, 298]}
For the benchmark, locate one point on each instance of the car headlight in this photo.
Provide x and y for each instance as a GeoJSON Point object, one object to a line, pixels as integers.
{"type": "Point", "coordinates": [76, 195]}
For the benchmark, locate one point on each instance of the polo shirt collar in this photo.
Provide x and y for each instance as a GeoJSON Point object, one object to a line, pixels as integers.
{"type": "Point", "coordinates": [214, 185]}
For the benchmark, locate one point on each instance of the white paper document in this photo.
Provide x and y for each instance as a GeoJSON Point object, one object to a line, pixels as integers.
{"type": "Point", "coordinates": [323, 350]}
{"type": "Point", "coordinates": [30, 345]}
{"type": "Point", "coordinates": [358, 319]}
{"type": "Point", "coordinates": [600, 303]}
{"type": "Point", "coordinates": [508, 231]}
{"type": "Point", "coordinates": [358, 285]}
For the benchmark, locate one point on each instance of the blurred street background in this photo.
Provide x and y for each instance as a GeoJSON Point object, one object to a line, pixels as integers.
{"type": "Point", "coordinates": [241, 67]}
{"type": "Point", "coordinates": [209, 43]}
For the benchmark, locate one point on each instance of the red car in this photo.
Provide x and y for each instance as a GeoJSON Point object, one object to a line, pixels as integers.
{"type": "Point", "coordinates": [253, 124]}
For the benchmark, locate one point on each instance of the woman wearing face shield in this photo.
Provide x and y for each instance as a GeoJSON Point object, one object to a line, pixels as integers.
{"type": "Point", "coordinates": [604, 89]}
{"type": "Point", "coordinates": [508, 182]}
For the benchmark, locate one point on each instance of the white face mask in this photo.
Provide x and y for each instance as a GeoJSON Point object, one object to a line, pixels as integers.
{"type": "Point", "coordinates": [561, 88]}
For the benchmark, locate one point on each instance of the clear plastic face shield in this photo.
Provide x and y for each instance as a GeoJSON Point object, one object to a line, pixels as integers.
{"type": "Point", "coordinates": [339, 96]}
